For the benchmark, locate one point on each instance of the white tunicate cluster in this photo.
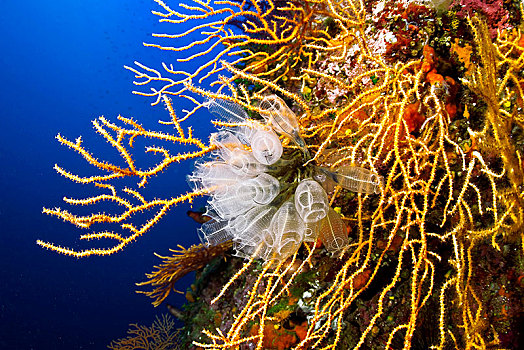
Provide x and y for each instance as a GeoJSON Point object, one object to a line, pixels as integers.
{"type": "Point", "coordinates": [236, 179]}
{"type": "Point", "coordinates": [263, 217]}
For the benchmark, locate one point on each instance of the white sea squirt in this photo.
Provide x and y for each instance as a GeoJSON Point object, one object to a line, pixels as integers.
{"type": "Point", "coordinates": [229, 111]}
{"type": "Point", "coordinates": [215, 232]}
{"type": "Point", "coordinates": [282, 118]}
{"type": "Point", "coordinates": [287, 231]}
{"type": "Point", "coordinates": [333, 232]}
{"type": "Point", "coordinates": [249, 230]}
{"type": "Point", "coordinates": [231, 150]}
{"type": "Point", "coordinates": [311, 201]}
{"type": "Point", "coordinates": [214, 177]}
{"type": "Point", "coordinates": [233, 113]}
{"type": "Point", "coordinates": [266, 146]}
{"type": "Point", "coordinates": [353, 178]}
{"type": "Point", "coordinates": [235, 200]}
{"type": "Point", "coordinates": [265, 188]}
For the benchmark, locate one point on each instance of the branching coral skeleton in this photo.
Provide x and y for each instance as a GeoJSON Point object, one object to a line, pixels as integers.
{"type": "Point", "coordinates": [286, 26]}
{"type": "Point", "coordinates": [122, 139]}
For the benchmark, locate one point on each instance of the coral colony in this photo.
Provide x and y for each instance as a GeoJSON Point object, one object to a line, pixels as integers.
{"type": "Point", "coordinates": [364, 184]}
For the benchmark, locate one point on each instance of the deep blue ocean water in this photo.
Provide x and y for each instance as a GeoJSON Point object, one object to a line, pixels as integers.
{"type": "Point", "coordinates": [61, 67]}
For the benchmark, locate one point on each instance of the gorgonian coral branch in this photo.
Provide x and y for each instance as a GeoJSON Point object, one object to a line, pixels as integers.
{"type": "Point", "coordinates": [268, 39]}
{"type": "Point", "coordinates": [176, 266]}
{"type": "Point", "coordinates": [122, 139]}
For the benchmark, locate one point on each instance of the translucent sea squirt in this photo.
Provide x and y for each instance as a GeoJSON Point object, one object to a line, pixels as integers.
{"type": "Point", "coordinates": [352, 178]}
{"type": "Point", "coordinates": [282, 118]}
{"type": "Point", "coordinates": [333, 232]}
{"type": "Point", "coordinates": [311, 201]}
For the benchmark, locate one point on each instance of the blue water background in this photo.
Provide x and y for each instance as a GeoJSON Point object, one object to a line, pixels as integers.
{"type": "Point", "coordinates": [61, 67]}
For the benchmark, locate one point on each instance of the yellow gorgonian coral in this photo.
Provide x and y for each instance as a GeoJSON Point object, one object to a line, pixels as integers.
{"type": "Point", "coordinates": [122, 138]}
